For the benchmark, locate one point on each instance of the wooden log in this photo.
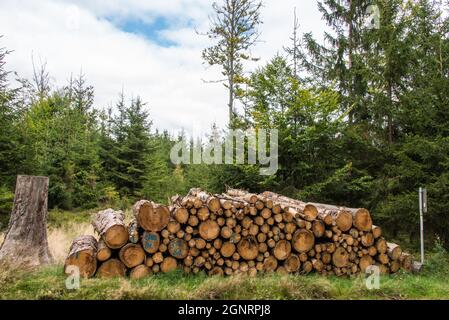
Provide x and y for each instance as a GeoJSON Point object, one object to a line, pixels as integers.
{"type": "Point", "coordinates": [25, 243]}
{"type": "Point", "coordinates": [111, 268]}
{"type": "Point", "coordinates": [132, 255]}
{"type": "Point", "coordinates": [406, 261]}
{"type": "Point", "coordinates": [333, 215]}
{"type": "Point", "coordinates": [178, 248]}
{"type": "Point", "coordinates": [367, 239]}
{"type": "Point", "coordinates": [340, 257]}
{"type": "Point", "coordinates": [381, 245]}
{"type": "Point", "coordinates": [133, 232]}
{"type": "Point", "coordinates": [303, 240]}
{"type": "Point", "coordinates": [216, 271]}
{"type": "Point", "coordinates": [270, 264]}
{"type": "Point", "coordinates": [209, 230]}
{"type": "Point", "coordinates": [82, 254]}
{"type": "Point", "coordinates": [103, 251]}
{"type": "Point", "coordinates": [212, 202]}
{"type": "Point", "coordinates": [292, 264]}
{"type": "Point", "coordinates": [169, 264]}
{"type": "Point", "coordinates": [383, 258]}
{"type": "Point", "coordinates": [203, 213]}
{"type": "Point", "coordinates": [173, 226]}
{"type": "Point", "coordinates": [150, 241]}
{"type": "Point", "coordinates": [110, 225]}
{"type": "Point", "coordinates": [193, 221]}
{"type": "Point", "coordinates": [365, 262]}
{"type": "Point", "coordinates": [282, 250]}
{"type": "Point", "coordinates": [395, 265]}
{"type": "Point", "coordinates": [227, 249]}
{"type": "Point", "coordinates": [361, 219]}
{"type": "Point", "coordinates": [151, 216]}
{"type": "Point", "coordinates": [243, 195]}
{"type": "Point", "coordinates": [149, 261]}
{"type": "Point", "coordinates": [181, 215]}
{"type": "Point", "coordinates": [200, 243]}
{"type": "Point", "coordinates": [307, 267]}
{"type": "Point", "coordinates": [139, 272]}
{"type": "Point", "coordinates": [394, 251]}
{"type": "Point", "coordinates": [318, 228]}
{"type": "Point", "coordinates": [158, 257]}
{"type": "Point", "coordinates": [308, 210]}
{"type": "Point", "coordinates": [248, 248]}
{"type": "Point", "coordinates": [377, 232]}
{"type": "Point", "coordinates": [317, 265]}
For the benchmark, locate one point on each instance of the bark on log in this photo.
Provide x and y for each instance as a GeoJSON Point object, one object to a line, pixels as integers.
{"type": "Point", "coordinates": [243, 195]}
{"type": "Point", "coordinates": [82, 254]}
{"type": "Point", "coordinates": [25, 244]}
{"type": "Point", "coordinates": [212, 203]}
{"type": "Point", "coordinates": [394, 251]}
{"type": "Point", "coordinates": [307, 209]}
{"type": "Point", "coordinates": [406, 260]}
{"type": "Point", "coordinates": [133, 231]}
{"type": "Point", "coordinates": [110, 226]}
{"type": "Point", "coordinates": [330, 215]}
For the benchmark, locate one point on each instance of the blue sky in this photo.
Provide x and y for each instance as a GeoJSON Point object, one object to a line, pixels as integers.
{"type": "Point", "coordinates": [151, 30]}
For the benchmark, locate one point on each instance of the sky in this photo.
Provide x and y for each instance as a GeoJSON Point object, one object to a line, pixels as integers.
{"type": "Point", "coordinates": [148, 48]}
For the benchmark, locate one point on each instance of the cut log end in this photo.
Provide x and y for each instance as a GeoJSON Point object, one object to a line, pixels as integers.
{"type": "Point", "coordinates": [362, 220]}
{"type": "Point", "coordinates": [132, 255]}
{"type": "Point", "coordinates": [82, 256]}
{"type": "Point", "coordinates": [303, 240]}
{"type": "Point", "coordinates": [111, 268]}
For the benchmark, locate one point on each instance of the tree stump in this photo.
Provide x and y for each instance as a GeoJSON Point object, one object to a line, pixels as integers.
{"type": "Point", "coordinates": [26, 243]}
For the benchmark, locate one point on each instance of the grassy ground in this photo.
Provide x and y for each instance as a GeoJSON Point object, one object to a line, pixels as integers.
{"type": "Point", "coordinates": [49, 282]}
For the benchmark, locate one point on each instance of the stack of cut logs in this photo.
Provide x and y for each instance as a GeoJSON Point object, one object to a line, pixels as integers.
{"type": "Point", "coordinates": [233, 233]}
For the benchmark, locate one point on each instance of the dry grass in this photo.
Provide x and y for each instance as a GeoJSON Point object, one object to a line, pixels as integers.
{"type": "Point", "coordinates": [60, 239]}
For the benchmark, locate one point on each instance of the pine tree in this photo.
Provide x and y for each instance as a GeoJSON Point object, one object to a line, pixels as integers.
{"type": "Point", "coordinates": [128, 155]}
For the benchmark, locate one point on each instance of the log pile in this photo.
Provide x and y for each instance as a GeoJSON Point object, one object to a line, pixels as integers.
{"type": "Point", "coordinates": [233, 233]}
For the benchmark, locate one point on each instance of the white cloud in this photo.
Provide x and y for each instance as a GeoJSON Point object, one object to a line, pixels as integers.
{"type": "Point", "coordinates": [71, 35]}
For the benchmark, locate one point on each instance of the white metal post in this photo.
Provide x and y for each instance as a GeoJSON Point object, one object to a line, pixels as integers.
{"type": "Point", "coordinates": [421, 221]}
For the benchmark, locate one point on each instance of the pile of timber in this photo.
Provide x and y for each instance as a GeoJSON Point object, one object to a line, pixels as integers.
{"type": "Point", "coordinates": [233, 233]}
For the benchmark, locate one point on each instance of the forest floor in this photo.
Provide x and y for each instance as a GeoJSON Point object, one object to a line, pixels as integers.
{"type": "Point", "coordinates": [49, 282]}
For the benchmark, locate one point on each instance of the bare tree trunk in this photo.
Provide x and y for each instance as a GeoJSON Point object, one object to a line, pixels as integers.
{"type": "Point", "coordinates": [25, 243]}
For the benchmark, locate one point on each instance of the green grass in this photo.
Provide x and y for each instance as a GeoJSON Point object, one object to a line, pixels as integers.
{"type": "Point", "coordinates": [49, 283]}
